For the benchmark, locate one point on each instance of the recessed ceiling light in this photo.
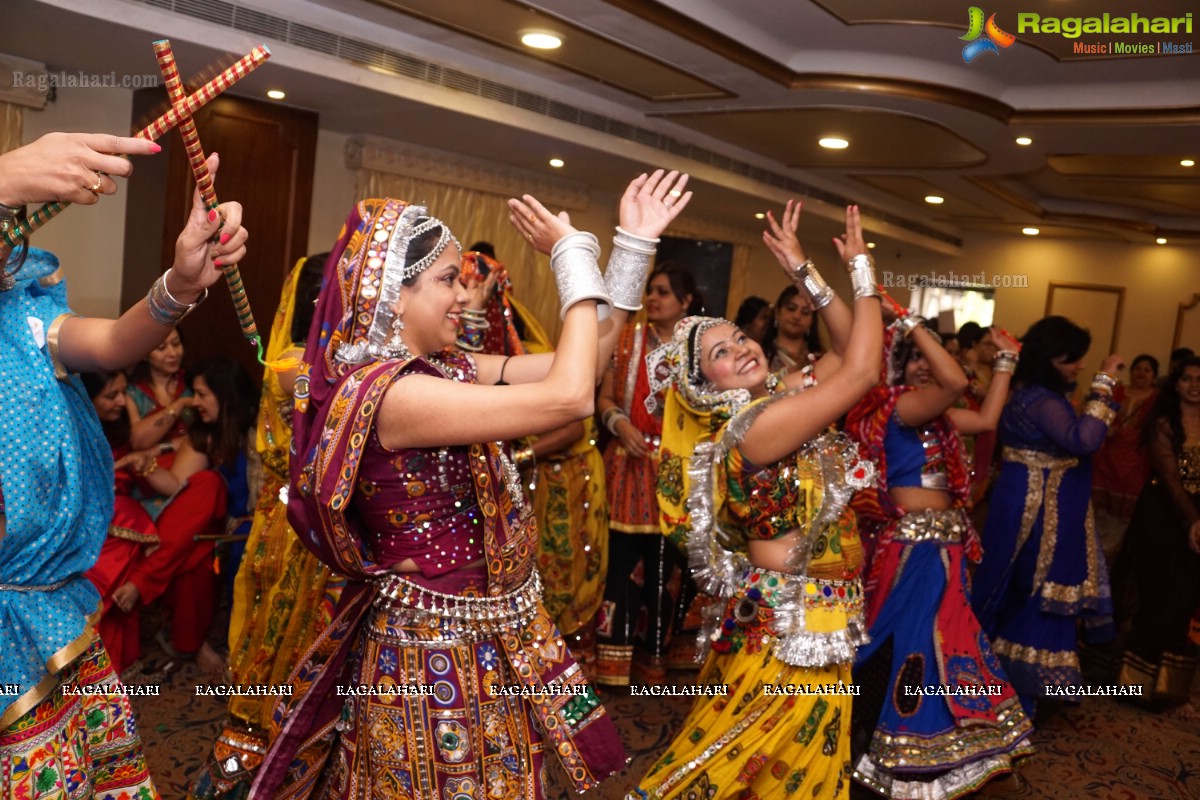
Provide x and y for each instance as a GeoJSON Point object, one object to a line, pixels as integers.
{"type": "Point", "coordinates": [833, 143]}
{"type": "Point", "coordinates": [541, 40]}
{"type": "Point", "coordinates": [934, 200]}
{"type": "Point", "coordinates": [276, 94]}
{"type": "Point", "coordinates": [1160, 240]}
{"type": "Point", "coordinates": [1187, 162]}
{"type": "Point", "coordinates": [760, 215]}
{"type": "Point", "coordinates": [1024, 141]}
{"type": "Point", "coordinates": [1030, 231]}
{"type": "Point", "coordinates": [871, 245]}
{"type": "Point", "coordinates": [556, 162]}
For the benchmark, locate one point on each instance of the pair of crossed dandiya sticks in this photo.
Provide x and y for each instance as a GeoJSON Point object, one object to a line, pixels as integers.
{"type": "Point", "coordinates": [183, 106]}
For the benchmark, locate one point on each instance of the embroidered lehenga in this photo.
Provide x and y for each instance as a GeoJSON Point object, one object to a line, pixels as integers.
{"type": "Point", "coordinates": [949, 721]}
{"type": "Point", "coordinates": [782, 643]}
{"type": "Point", "coordinates": [395, 698]}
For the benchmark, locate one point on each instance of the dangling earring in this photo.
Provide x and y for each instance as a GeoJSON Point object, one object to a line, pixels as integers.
{"type": "Point", "coordinates": [396, 346]}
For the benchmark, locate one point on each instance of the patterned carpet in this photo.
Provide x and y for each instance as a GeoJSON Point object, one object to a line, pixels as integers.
{"type": "Point", "coordinates": [1103, 749]}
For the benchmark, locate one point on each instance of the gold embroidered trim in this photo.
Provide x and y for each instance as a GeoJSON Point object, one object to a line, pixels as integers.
{"type": "Point", "coordinates": [23, 704]}
{"type": "Point", "coordinates": [1100, 410]}
{"type": "Point", "coordinates": [1034, 655]}
{"type": "Point", "coordinates": [131, 535]}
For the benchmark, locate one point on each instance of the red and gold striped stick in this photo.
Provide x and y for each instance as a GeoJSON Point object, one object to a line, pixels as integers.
{"type": "Point", "coordinates": [204, 183]}
{"type": "Point", "coordinates": [160, 127]}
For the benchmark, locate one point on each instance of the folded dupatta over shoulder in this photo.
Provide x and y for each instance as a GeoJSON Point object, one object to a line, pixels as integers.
{"type": "Point", "coordinates": [343, 379]}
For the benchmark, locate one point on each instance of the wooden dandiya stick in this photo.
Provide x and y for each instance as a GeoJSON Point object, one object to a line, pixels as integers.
{"type": "Point", "coordinates": [204, 183]}
{"type": "Point", "coordinates": [178, 112]}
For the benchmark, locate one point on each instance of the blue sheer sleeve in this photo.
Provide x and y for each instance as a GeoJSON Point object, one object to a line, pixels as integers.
{"type": "Point", "coordinates": [1058, 422]}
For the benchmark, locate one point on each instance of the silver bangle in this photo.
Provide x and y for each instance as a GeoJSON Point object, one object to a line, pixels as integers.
{"type": "Point", "coordinates": [862, 276]}
{"type": "Point", "coordinates": [628, 265]}
{"type": "Point", "coordinates": [576, 273]}
{"type": "Point", "coordinates": [907, 324]}
{"type": "Point", "coordinates": [164, 308]}
{"type": "Point", "coordinates": [806, 277]}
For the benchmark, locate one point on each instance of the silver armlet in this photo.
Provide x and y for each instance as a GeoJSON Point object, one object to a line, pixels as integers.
{"type": "Point", "coordinates": [862, 276]}
{"type": "Point", "coordinates": [576, 273]}
{"type": "Point", "coordinates": [628, 265]}
{"type": "Point", "coordinates": [807, 277]}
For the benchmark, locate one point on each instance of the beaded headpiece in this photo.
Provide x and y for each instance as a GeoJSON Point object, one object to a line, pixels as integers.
{"type": "Point", "coordinates": [372, 270]}
{"type": "Point", "coordinates": [676, 364]}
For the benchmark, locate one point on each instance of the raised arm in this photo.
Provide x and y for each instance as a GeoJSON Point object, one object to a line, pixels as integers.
{"type": "Point", "coordinates": [947, 385]}
{"type": "Point", "coordinates": [780, 238]}
{"type": "Point", "coordinates": [789, 423]}
{"type": "Point", "coordinates": [453, 413]}
{"type": "Point", "coordinates": [88, 345]}
{"type": "Point", "coordinates": [971, 422]}
{"type": "Point", "coordinates": [647, 207]}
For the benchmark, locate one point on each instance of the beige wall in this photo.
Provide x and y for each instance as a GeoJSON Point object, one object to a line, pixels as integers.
{"type": "Point", "coordinates": [89, 240]}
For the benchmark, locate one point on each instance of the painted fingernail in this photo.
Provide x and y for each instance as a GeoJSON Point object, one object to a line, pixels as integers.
{"type": "Point", "coordinates": [217, 262]}
{"type": "Point", "coordinates": [157, 147]}
{"type": "Point", "coordinates": [224, 238]}
{"type": "Point", "coordinates": [212, 215]}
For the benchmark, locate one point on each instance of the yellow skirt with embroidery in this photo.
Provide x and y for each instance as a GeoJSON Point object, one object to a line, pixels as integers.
{"type": "Point", "coordinates": [572, 517]}
{"type": "Point", "coordinates": [779, 731]}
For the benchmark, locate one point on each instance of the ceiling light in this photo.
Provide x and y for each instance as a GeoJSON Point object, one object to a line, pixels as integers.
{"type": "Point", "coordinates": [1030, 231]}
{"type": "Point", "coordinates": [934, 200]}
{"type": "Point", "coordinates": [557, 162]}
{"type": "Point", "coordinates": [1187, 162]}
{"type": "Point", "coordinates": [276, 94]}
{"type": "Point", "coordinates": [833, 143]}
{"type": "Point", "coordinates": [871, 245]}
{"type": "Point", "coordinates": [541, 40]}
{"type": "Point", "coordinates": [1160, 240]}
{"type": "Point", "coordinates": [760, 215]}
{"type": "Point", "coordinates": [1024, 141]}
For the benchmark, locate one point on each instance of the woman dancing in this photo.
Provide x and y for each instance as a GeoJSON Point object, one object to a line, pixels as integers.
{"type": "Point", "coordinates": [951, 741]}
{"type": "Point", "coordinates": [763, 487]}
{"type": "Point", "coordinates": [441, 673]}
{"type": "Point", "coordinates": [1042, 568]}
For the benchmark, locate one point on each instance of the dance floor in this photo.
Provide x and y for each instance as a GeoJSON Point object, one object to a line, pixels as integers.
{"type": "Point", "coordinates": [1103, 749]}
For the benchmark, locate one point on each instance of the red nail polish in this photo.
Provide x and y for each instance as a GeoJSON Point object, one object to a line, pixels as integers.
{"type": "Point", "coordinates": [224, 238]}
{"type": "Point", "coordinates": [216, 262]}
{"type": "Point", "coordinates": [157, 147]}
{"type": "Point", "coordinates": [212, 215]}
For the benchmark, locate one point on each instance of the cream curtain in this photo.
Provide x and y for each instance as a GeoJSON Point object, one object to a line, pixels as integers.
{"type": "Point", "coordinates": [10, 127]}
{"type": "Point", "coordinates": [474, 215]}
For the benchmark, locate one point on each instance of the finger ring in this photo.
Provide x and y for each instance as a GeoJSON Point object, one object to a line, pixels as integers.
{"type": "Point", "coordinates": [533, 217]}
{"type": "Point", "coordinates": [675, 193]}
{"type": "Point", "coordinates": [529, 236]}
{"type": "Point", "coordinates": [95, 187]}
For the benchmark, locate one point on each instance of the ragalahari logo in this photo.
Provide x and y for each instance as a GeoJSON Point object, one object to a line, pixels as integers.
{"type": "Point", "coordinates": [993, 38]}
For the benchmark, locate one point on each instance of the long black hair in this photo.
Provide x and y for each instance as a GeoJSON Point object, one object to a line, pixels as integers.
{"type": "Point", "coordinates": [812, 339]}
{"type": "Point", "coordinates": [222, 439]}
{"type": "Point", "coordinates": [1048, 339]}
{"type": "Point", "coordinates": [1166, 407]}
{"type": "Point", "coordinates": [116, 432]}
{"type": "Point", "coordinates": [308, 289]}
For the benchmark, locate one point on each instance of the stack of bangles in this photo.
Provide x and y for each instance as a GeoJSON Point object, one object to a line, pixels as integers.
{"type": "Point", "coordinates": [862, 278]}
{"type": "Point", "coordinates": [1005, 361]}
{"type": "Point", "coordinates": [1103, 383]}
{"type": "Point", "coordinates": [906, 323]}
{"type": "Point", "coordinates": [472, 324]}
{"type": "Point", "coordinates": [611, 417]}
{"type": "Point", "coordinates": [164, 308]}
